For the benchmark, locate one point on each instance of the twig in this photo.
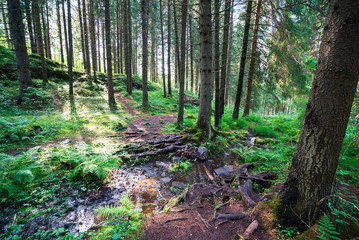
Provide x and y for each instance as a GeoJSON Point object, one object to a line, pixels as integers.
{"type": "Point", "coordinates": [224, 204]}
{"type": "Point", "coordinates": [220, 223]}
{"type": "Point", "coordinates": [204, 221]}
{"type": "Point", "coordinates": [175, 219]}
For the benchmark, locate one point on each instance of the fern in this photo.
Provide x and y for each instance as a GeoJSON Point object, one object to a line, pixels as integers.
{"type": "Point", "coordinates": [327, 229]}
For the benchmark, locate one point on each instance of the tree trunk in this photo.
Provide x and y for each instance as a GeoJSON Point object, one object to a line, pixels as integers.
{"type": "Point", "coordinates": [87, 49]}
{"type": "Point", "coordinates": [205, 104]}
{"type": "Point", "coordinates": [98, 44]}
{"type": "Point", "coordinates": [60, 32]}
{"type": "Point", "coordinates": [70, 52]}
{"type": "Point", "coordinates": [144, 16]}
{"type": "Point", "coordinates": [224, 59]}
{"type": "Point", "coordinates": [93, 39]}
{"type": "Point", "coordinates": [182, 66]}
{"type": "Point", "coordinates": [65, 29]}
{"type": "Point", "coordinates": [48, 30]}
{"type": "Point", "coordinates": [118, 37]}
{"type": "Point", "coordinates": [312, 175]}
{"type": "Point", "coordinates": [29, 26]}
{"type": "Point", "coordinates": [169, 48]}
{"type": "Point", "coordinates": [18, 35]}
{"type": "Point", "coordinates": [252, 59]}
{"type": "Point", "coordinates": [163, 52]}
{"type": "Point", "coordinates": [237, 102]}
{"type": "Point", "coordinates": [45, 33]}
{"type": "Point", "coordinates": [153, 67]}
{"type": "Point", "coordinates": [229, 61]}
{"type": "Point", "coordinates": [82, 36]}
{"type": "Point", "coordinates": [111, 96]}
{"type": "Point", "coordinates": [104, 47]}
{"type": "Point", "coordinates": [6, 28]}
{"type": "Point", "coordinates": [217, 114]}
{"type": "Point", "coordinates": [128, 45]}
{"type": "Point", "coordinates": [191, 51]}
{"type": "Point", "coordinates": [35, 8]}
{"type": "Point", "coordinates": [177, 52]}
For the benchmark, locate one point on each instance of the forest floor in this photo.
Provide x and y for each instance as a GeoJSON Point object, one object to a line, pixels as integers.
{"type": "Point", "coordinates": [74, 169]}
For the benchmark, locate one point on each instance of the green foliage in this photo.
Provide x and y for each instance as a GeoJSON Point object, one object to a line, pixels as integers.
{"type": "Point", "coordinates": [122, 222]}
{"type": "Point", "coordinates": [184, 166]}
{"type": "Point", "coordinates": [265, 131]}
{"type": "Point", "coordinates": [327, 229]}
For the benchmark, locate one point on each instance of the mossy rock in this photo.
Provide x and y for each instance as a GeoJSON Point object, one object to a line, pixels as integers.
{"type": "Point", "coordinates": [60, 73]}
{"type": "Point", "coordinates": [198, 134]}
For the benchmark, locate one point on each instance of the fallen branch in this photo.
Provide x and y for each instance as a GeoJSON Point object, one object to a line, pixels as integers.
{"type": "Point", "coordinates": [220, 223]}
{"type": "Point", "coordinates": [204, 221]}
{"type": "Point", "coordinates": [251, 228]}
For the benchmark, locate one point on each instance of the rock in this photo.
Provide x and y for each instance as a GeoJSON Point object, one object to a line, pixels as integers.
{"type": "Point", "coordinates": [70, 225]}
{"type": "Point", "coordinates": [203, 152]}
{"type": "Point", "coordinates": [225, 172]}
{"type": "Point", "coordinates": [165, 180]}
{"type": "Point", "coordinates": [165, 165]}
{"type": "Point", "coordinates": [177, 184]}
{"type": "Point", "coordinates": [176, 159]}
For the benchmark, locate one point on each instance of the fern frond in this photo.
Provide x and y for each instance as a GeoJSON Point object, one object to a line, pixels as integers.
{"type": "Point", "coordinates": [327, 229]}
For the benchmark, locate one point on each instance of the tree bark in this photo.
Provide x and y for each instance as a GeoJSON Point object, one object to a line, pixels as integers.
{"type": "Point", "coordinates": [252, 59]}
{"type": "Point", "coordinates": [182, 65]}
{"type": "Point", "coordinates": [48, 30]}
{"type": "Point", "coordinates": [104, 47]}
{"type": "Point", "coordinates": [7, 35]}
{"type": "Point", "coordinates": [98, 44]}
{"type": "Point", "coordinates": [237, 102]}
{"type": "Point", "coordinates": [93, 39]}
{"type": "Point", "coordinates": [313, 171]}
{"type": "Point", "coordinates": [87, 49]}
{"type": "Point", "coordinates": [70, 52]}
{"type": "Point", "coordinates": [205, 106]}
{"type": "Point", "coordinates": [128, 39]}
{"type": "Point", "coordinates": [169, 48]}
{"type": "Point", "coordinates": [18, 35]}
{"type": "Point", "coordinates": [177, 52]}
{"type": "Point", "coordinates": [60, 30]}
{"type": "Point", "coordinates": [65, 28]}
{"type": "Point", "coordinates": [224, 59]}
{"type": "Point", "coordinates": [191, 51]}
{"type": "Point", "coordinates": [82, 36]}
{"type": "Point", "coordinates": [111, 95]}
{"type": "Point", "coordinates": [229, 61]}
{"type": "Point", "coordinates": [144, 15]}
{"type": "Point", "coordinates": [163, 52]}
{"type": "Point", "coordinates": [29, 26]}
{"type": "Point", "coordinates": [35, 8]}
{"type": "Point", "coordinates": [45, 33]}
{"type": "Point", "coordinates": [217, 115]}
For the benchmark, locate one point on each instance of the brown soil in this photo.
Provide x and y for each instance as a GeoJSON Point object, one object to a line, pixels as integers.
{"type": "Point", "coordinates": [125, 101]}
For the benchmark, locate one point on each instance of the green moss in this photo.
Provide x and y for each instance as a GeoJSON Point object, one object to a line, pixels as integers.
{"type": "Point", "coordinates": [265, 131]}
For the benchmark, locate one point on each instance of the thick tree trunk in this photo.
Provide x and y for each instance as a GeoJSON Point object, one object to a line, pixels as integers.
{"type": "Point", "coordinates": [118, 37]}
{"type": "Point", "coordinates": [205, 104]}
{"type": "Point", "coordinates": [35, 8]}
{"type": "Point", "coordinates": [169, 48]}
{"type": "Point", "coordinates": [111, 96]}
{"type": "Point", "coordinates": [18, 35]}
{"type": "Point", "coordinates": [314, 166]}
{"type": "Point", "coordinates": [82, 36]}
{"type": "Point", "coordinates": [217, 115]}
{"type": "Point", "coordinates": [163, 52]}
{"type": "Point", "coordinates": [237, 102]}
{"type": "Point", "coordinates": [182, 65]}
{"type": "Point", "coordinates": [144, 16]}
{"type": "Point", "coordinates": [86, 36]}
{"type": "Point", "coordinates": [93, 39]}
{"type": "Point", "coordinates": [70, 52]}
{"type": "Point", "coordinates": [224, 59]}
{"type": "Point", "coordinates": [98, 44]}
{"type": "Point", "coordinates": [153, 41]}
{"type": "Point", "coordinates": [29, 26]}
{"type": "Point", "coordinates": [252, 59]}
{"type": "Point", "coordinates": [60, 30]}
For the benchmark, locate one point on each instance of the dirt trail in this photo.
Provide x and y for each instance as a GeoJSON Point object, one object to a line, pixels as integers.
{"type": "Point", "coordinates": [125, 101]}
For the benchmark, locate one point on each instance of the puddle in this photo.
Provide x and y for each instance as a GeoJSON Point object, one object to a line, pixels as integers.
{"type": "Point", "coordinates": [149, 187]}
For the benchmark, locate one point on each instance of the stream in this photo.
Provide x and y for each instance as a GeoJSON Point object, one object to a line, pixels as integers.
{"type": "Point", "coordinates": [150, 186]}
